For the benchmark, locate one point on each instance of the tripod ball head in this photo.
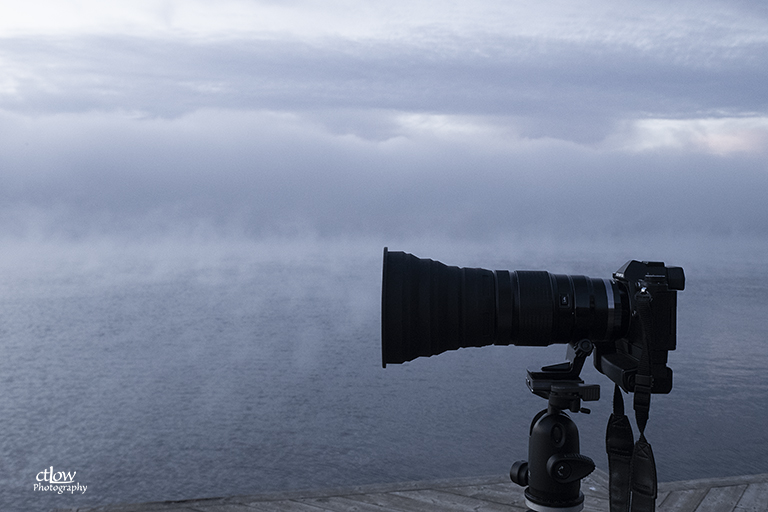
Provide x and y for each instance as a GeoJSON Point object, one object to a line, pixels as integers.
{"type": "Point", "coordinates": [555, 467]}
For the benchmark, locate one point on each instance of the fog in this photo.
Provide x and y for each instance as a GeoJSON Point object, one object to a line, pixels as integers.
{"type": "Point", "coordinates": [259, 173]}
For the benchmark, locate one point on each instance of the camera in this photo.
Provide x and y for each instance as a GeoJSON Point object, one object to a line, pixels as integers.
{"type": "Point", "coordinates": [429, 308]}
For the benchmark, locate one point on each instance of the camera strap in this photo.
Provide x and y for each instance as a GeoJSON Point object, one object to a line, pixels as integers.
{"type": "Point", "coordinates": [633, 483]}
{"type": "Point", "coordinates": [619, 444]}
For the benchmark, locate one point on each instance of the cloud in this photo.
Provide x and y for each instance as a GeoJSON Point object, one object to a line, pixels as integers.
{"type": "Point", "coordinates": [263, 173]}
{"type": "Point", "coordinates": [467, 121]}
{"type": "Point", "coordinates": [569, 70]}
{"type": "Point", "coordinates": [720, 136]}
{"type": "Point", "coordinates": [570, 90]}
{"type": "Point", "coordinates": [650, 24]}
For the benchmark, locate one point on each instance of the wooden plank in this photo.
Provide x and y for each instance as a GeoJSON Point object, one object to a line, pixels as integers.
{"type": "Point", "coordinates": [722, 499]}
{"type": "Point", "coordinates": [503, 493]}
{"type": "Point", "coordinates": [265, 506]}
{"type": "Point", "coordinates": [726, 481]}
{"type": "Point", "coordinates": [682, 501]}
{"type": "Point", "coordinates": [394, 501]}
{"type": "Point", "coordinates": [593, 504]}
{"type": "Point", "coordinates": [595, 492]}
{"type": "Point", "coordinates": [279, 506]}
{"type": "Point", "coordinates": [754, 499]}
{"type": "Point", "coordinates": [596, 484]}
{"type": "Point", "coordinates": [157, 506]}
{"type": "Point", "coordinates": [514, 495]}
{"type": "Point", "coordinates": [376, 488]}
{"type": "Point", "coordinates": [450, 501]}
{"type": "Point", "coordinates": [342, 504]}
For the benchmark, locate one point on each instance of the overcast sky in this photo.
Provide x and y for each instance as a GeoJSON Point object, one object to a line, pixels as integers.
{"type": "Point", "coordinates": [468, 119]}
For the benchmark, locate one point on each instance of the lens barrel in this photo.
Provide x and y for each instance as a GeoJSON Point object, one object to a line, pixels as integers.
{"type": "Point", "coordinates": [429, 307]}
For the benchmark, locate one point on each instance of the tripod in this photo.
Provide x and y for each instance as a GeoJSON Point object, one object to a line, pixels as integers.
{"type": "Point", "coordinates": [554, 469]}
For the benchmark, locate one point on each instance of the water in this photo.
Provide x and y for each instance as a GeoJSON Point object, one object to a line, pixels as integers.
{"type": "Point", "coordinates": [172, 371]}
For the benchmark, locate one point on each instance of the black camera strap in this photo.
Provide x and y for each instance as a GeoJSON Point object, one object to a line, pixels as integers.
{"type": "Point", "coordinates": [633, 483]}
{"type": "Point", "coordinates": [619, 443]}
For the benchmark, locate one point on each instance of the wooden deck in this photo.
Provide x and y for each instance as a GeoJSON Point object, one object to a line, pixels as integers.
{"type": "Point", "coordinates": [482, 494]}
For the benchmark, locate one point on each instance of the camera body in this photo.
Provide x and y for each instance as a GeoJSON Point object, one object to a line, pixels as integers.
{"type": "Point", "coordinates": [429, 307]}
{"type": "Point", "coordinates": [619, 359]}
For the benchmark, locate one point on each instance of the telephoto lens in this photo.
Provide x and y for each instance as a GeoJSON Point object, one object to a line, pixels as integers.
{"type": "Point", "coordinates": [429, 307]}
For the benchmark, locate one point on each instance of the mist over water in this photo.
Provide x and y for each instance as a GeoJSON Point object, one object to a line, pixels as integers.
{"type": "Point", "coordinates": [171, 369]}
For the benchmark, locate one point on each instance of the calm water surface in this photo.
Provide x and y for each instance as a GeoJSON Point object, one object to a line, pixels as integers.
{"type": "Point", "coordinates": [177, 376]}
